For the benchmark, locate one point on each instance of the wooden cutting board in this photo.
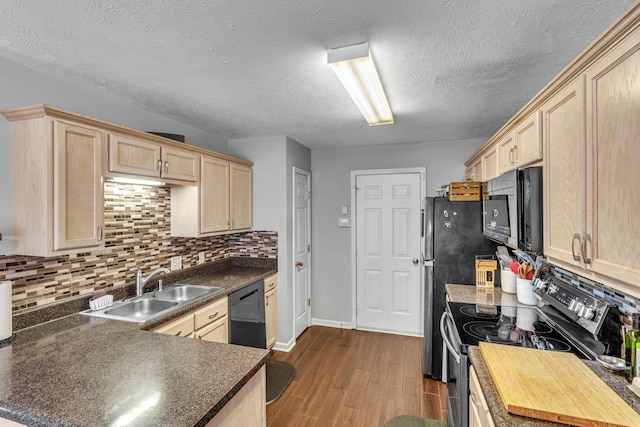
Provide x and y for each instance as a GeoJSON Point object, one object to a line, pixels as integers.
{"type": "Point", "coordinates": [554, 386]}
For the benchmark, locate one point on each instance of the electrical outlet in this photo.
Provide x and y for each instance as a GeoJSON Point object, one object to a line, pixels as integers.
{"type": "Point", "coordinates": [176, 263]}
{"type": "Point", "coordinates": [201, 258]}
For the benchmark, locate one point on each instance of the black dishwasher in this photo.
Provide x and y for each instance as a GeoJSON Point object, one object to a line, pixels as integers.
{"type": "Point", "coordinates": [246, 316]}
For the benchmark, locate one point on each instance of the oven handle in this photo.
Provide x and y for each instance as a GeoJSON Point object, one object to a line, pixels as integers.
{"type": "Point", "coordinates": [445, 337]}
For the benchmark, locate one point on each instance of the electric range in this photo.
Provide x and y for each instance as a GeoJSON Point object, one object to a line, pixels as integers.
{"type": "Point", "coordinates": [566, 319]}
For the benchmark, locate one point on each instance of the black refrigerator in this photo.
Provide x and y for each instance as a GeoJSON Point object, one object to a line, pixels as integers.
{"type": "Point", "coordinates": [453, 237]}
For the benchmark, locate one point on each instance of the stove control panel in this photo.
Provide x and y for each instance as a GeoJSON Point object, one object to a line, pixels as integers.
{"type": "Point", "coordinates": [586, 310]}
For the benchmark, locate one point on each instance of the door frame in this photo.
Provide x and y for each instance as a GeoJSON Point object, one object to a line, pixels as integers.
{"type": "Point", "coordinates": [293, 239]}
{"type": "Point", "coordinates": [354, 242]}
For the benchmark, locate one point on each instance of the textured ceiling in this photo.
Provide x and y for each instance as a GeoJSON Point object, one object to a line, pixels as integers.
{"type": "Point", "coordinates": [452, 69]}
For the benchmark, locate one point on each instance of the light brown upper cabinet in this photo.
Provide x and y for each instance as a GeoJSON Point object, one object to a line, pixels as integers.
{"type": "Point", "coordinates": [474, 170]}
{"type": "Point", "coordinates": [564, 126]}
{"type": "Point", "coordinates": [241, 197]}
{"type": "Point", "coordinates": [523, 145]}
{"type": "Point", "coordinates": [490, 163]}
{"type": "Point", "coordinates": [592, 197]}
{"type": "Point", "coordinates": [131, 156]}
{"type": "Point", "coordinates": [611, 240]}
{"type": "Point", "coordinates": [220, 204]}
{"type": "Point", "coordinates": [57, 198]}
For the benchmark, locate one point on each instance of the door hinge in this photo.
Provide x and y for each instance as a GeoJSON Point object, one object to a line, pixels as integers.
{"type": "Point", "coordinates": [309, 302]}
{"type": "Point", "coordinates": [308, 195]}
{"type": "Point", "coordinates": [308, 248]}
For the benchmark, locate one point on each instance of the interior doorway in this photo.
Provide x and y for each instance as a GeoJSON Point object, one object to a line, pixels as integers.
{"type": "Point", "coordinates": [301, 249]}
{"type": "Point", "coordinates": [387, 282]}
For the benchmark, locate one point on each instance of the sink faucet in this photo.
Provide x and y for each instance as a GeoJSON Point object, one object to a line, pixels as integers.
{"type": "Point", "coordinates": [141, 281]}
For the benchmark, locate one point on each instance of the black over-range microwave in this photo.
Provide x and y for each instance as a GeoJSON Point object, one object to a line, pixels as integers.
{"type": "Point", "coordinates": [512, 215]}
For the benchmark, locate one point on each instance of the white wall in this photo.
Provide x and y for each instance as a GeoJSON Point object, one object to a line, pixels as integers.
{"type": "Point", "coordinates": [331, 181]}
{"type": "Point", "coordinates": [21, 86]}
{"type": "Point", "coordinates": [274, 159]}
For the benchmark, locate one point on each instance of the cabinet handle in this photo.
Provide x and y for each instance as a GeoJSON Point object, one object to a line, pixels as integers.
{"type": "Point", "coordinates": [99, 233]}
{"type": "Point", "coordinates": [576, 236]}
{"type": "Point", "coordinates": [515, 155]}
{"type": "Point", "coordinates": [511, 156]}
{"type": "Point", "coordinates": [267, 301]}
{"type": "Point", "coordinates": [159, 165]}
{"type": "Point", "coordinates": [178, 334]}
{"type": "Point", "coordinates": [472, 396]}
{"type": "Point", "coordinates": [585, 239]}
{"type": "Point", "coordinates": [214, 315]}
{"type": "Point", "coordinates": [166, 167]}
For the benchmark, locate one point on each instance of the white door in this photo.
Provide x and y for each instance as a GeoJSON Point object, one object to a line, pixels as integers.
{"type": "Point", "coordinates": [388, 291]}
{"type": "Point", "coordinates": [301, 248]}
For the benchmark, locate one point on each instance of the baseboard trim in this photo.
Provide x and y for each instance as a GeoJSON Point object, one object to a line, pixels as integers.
{"type": "Point", "coordinates": [331, 323]}
{"type": "Point", "coordinates": [284, 346]}
{"type": "Point", "coordinates": [382, 331]}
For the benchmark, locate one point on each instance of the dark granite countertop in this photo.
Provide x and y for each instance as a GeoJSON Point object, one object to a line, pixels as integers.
{"type": "Point", "coordinates": [502, 418]}
{"type": "Point", "coordinates": [86, 371]}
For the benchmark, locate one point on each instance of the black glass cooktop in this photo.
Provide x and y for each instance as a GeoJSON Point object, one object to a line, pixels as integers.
{"type": "Point", "coordinates": [510, 325]}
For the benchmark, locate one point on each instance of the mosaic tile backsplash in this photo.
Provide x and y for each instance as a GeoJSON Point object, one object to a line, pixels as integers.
{"type": "Point", "coordinates": [137, 233]}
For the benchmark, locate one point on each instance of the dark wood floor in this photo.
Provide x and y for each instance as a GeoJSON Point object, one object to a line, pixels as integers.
{"type": "Point", "coordinates": [355, 378]}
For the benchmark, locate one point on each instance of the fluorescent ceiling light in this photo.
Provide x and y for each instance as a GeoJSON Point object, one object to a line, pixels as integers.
{"type": "Point", "coordinates": [357, 72]}
{"type": "Point", "coordinates": [137, 181]}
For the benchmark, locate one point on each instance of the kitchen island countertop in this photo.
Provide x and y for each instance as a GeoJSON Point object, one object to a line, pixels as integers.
{"type": "Point", "coordinates": [86, 371]}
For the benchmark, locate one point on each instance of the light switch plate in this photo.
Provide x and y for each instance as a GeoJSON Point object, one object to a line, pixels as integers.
{"type": "Point", "coordinates": [201, 258]}
{"type": "Point", "coordinates": [176, 263]}
{"type": "Point", "coordinates": [344, 222]}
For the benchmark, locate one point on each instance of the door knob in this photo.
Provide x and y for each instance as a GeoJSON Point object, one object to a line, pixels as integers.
{"type": "Point", "coordinates": [415, 261]}
{"type": "Point", "coordinates": [299, 264]}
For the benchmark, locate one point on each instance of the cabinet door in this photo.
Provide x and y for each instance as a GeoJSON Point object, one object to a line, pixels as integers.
{"type": "Point", "coordinates": [490, 164]}
{"type": "Point", "coordinates": [613, 163]}
{"type": "Point", "coordinates": [214, 195]}
{"type": "Point", "coordinates": [132, 156]}
{"type": "Point", "coordinates": [528, 140]}
{"type": "Point", "coordinates": [182, 327]}
{"type": "Point", "coordinates": [78, 197]}
{"type": "Point", "coordinates": [270, 314]}
{"type": "Point", "coordinates": [564, 181]}
{"type": "Point", "coordinates": [241, 195]}
{"type": "Point", "coordinates": [179, 164]}
{"type": "Point", "coordinates": [218, 331]}
{"type": "Point", "coordinates": [211, 313]}
{"type": "Point", "coordinates": [506, 153]}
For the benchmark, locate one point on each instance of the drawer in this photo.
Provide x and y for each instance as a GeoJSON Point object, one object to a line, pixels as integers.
{"type": "Point", "coordinates": [181, 327]}
{"type": "Point", "coordinates": [217, 331]}
{"type": "Point", "coordinates": [211, 313]}
{"type": "Point", "coordinates": [269, 283]}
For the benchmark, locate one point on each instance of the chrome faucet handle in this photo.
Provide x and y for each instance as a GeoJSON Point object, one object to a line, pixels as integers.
{"type": "Point", "coordinates": [159, 285]}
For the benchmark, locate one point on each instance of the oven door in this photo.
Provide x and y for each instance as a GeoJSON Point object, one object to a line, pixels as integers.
{"type": "Point", "coordinates": [457, 374]}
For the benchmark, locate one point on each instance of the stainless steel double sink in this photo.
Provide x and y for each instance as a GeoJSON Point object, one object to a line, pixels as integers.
{"type": "Point", "coordinates": [154, 304]}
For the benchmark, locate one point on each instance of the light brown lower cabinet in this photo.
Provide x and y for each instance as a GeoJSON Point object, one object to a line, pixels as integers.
{"type": "Point", "coordinates": [479, 415]}
{"type": "Point", "coordinates": [270, 310]}
{"type": "Point", "coordinates": [209, 323]}
{"type": "Point", "coordinates": [247, 407]}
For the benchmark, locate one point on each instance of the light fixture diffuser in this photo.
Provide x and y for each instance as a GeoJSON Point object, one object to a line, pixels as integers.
{"type": "Point", "coordinates": [355, 68]}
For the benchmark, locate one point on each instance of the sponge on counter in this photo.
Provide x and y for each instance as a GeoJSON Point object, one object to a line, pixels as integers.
{"type": "Point", "coordinates": [99, 293]}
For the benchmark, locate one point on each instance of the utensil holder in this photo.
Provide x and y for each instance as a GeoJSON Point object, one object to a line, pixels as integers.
{"type": "Point", "coordinates": [524, 291]}
{"type": "Point", "coordinates": [508, 281]}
